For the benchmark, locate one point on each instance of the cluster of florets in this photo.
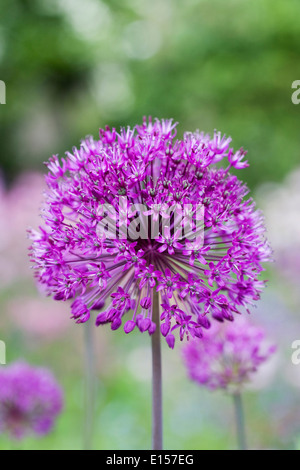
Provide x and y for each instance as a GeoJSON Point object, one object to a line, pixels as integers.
{"type": "Point", "coordinates": [202, 246]}
{"type": "Point", "coordinates": [228, 355]}
{"type": "Point", "coordinates": [30, 400]}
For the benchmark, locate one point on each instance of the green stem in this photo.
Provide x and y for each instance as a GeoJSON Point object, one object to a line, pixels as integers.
{"type": "Point", "coordinates": [89, 386]}
{"type": "Point", "coordinates": [240, 421]}
{"type": "Point", "coordinates": [157, 441]}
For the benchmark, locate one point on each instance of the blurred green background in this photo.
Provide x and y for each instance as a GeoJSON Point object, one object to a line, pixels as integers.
{"type": "Point", "coordinates": [72, 66]}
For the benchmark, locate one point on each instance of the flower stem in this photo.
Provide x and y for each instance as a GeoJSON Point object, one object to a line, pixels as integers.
{"type": "Point", "coordinates": [240, 421]}
{"type": "Point", "coordinates": [157, 443]}
{"type": "Point", "coordinates": [89, 386]}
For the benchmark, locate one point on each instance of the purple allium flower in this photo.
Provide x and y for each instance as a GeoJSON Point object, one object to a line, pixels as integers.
{"type": "Point", "coordinates": [227, 355]}
{"type": "Point", "coordinates": [30, 400]}
{"type": "Point", "coordinates": [203, 242]}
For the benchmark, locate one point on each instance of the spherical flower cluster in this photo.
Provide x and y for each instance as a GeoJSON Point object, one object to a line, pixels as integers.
{"type": "Point", "coordinates": [30, 400]}
{"type": "Point", "coordinates": [227, 356]}
{"type": "Point", "coordinates": [203, 242]}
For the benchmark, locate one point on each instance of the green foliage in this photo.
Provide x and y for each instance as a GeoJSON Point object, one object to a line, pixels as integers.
{"type": "Point", "coordinates": [72, 67]}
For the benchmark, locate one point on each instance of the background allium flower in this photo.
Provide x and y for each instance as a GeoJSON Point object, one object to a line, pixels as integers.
{"type": "Point", "coordinates": [148, 165]}
{"type": "Point", "coordinates": [30, 400]}
{"type": "Point", "coordinates": [228, 355]}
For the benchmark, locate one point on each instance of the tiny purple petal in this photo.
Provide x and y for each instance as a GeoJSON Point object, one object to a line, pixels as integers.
{"type": "Point", "coordinates": [129, 326]}
{"type": "Point", "coordinates": [165, 328]}
{"type": "Point", "coordinates": [171, 340]}
{"type": "Point", "coordinates": [146, 302]}
{"type": "Point", "coordinates": [116, 324]}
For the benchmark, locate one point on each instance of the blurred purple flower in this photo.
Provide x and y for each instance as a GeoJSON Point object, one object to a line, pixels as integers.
{"type": "Point", "coordinates": [30, 400]}
{"type": "Point", "coordinates": [228, 355]}
{"type": "Point", "coordinates": [148, 166]}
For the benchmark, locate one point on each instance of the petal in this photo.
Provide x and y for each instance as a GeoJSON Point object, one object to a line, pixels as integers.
{"type": "Point", "coordinates": [171, 341]}
{"type": "Point", "coordinates": [129, 326]}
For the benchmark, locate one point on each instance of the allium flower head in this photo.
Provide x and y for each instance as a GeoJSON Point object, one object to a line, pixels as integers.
{"type": "Point", "coordinates": [227, 356]}
{"type": "Point", "coordinates": [30, 400]}
{"type": "Point", "coordinates": [140, 212]}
